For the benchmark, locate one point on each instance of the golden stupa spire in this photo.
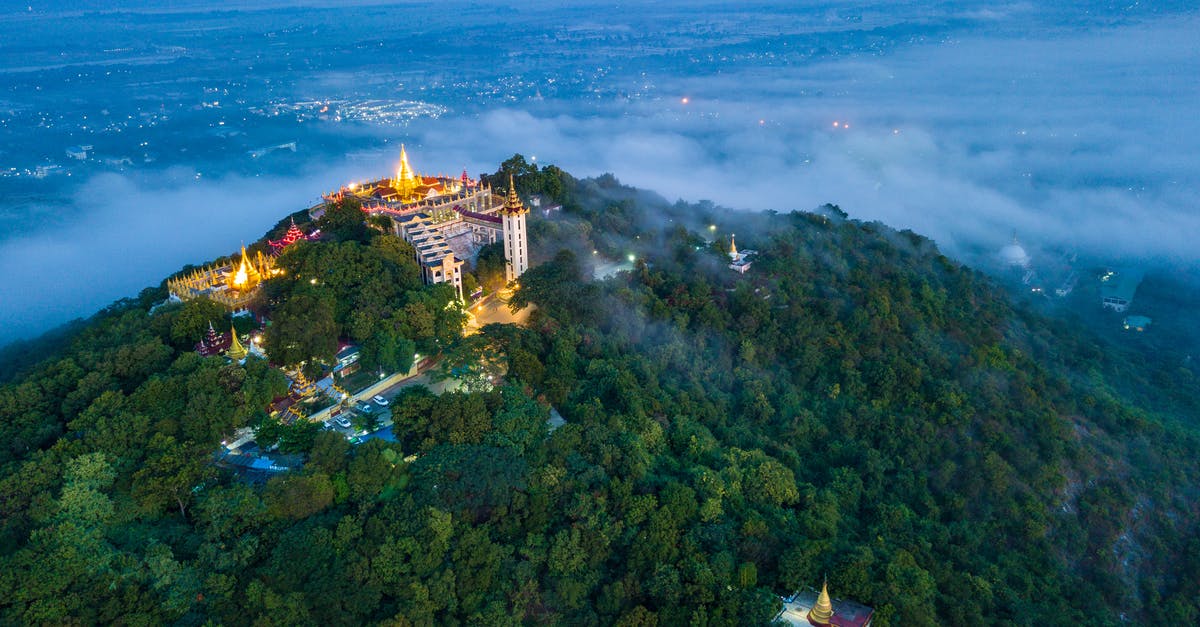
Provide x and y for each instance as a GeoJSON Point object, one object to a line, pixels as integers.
{"type": "Point", "coordinates": [733, 246]}
{"type": "Point", "coordinates": [405, 172]}
{"type": "Point", "coordinates": [241, 276]}
{"type": "Point", "coordinates": [246, 276]}
{"type": "Point", "coordinates": [822, 611]}
{"type": "Point", "coordinates": [406, 179]}
{"type": "Point", "coordinates": [235, 351]}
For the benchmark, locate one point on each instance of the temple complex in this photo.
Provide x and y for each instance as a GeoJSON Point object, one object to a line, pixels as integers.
{"type": "Point", "coordinates": [809, 608]}
{"type": "Point", "coordinates": [446, 219]}
{"type": "Point", "coordinates": [233, 285]}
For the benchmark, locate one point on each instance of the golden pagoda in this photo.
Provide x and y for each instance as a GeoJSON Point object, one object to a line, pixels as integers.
{"type": "Point", "coordinates": [406, 181]}
{"type": "Point", "coordinates": [512, 204]}
{"type": "Point", "coordinates": [247, 276]}
{"type": "Point", "coordinates": [236, 351]}
{"type": "Point", "coordinates": [733, 253]}
{"type": "Point", "coordinates": [822, 611]}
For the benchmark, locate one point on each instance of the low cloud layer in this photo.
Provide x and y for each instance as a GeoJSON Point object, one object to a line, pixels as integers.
{"type": "Point", "coordinates": [1082, 141]}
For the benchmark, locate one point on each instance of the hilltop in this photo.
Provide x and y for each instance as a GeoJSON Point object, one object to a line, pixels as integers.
{"type": "Point", "coordinates": [856, 405]}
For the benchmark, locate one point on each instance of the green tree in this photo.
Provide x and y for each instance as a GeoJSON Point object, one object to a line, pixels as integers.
{"type": "Point", "coordinates": [302, 330]}
{"type": "Point", "coordinates": [344, 220]}
{"type": "Point", "coordinates": [298, 496]}
{"type": "Point", "coordinates": [192, 319]}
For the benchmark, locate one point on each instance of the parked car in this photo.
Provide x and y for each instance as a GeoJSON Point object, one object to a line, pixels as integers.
{"type": "Point", "coordinates": [381, 401]}
{"type": "Point", "coordinates": [342, 422]}
{"type": "Point", "coordinates": [365, 408]}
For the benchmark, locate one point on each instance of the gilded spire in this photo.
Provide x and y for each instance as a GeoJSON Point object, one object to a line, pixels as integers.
{"type": "Point", "coordinates": [405, 171]}
{"type": "Point", "coordinates": [247, 274]}
{"type": "Point", "coordinates": [512, 205]}
{"type": "Point", "coordinates": [822, 611]}
{"type": "Point", "coordinates": [406, 179]}
{"type": "Point", "coordinates": [733, 246]}
{"type": "Point", "coordinates": [235, 351]}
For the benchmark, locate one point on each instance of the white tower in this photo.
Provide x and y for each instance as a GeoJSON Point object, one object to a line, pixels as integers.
{"type": "Point", "coordinates": [516, 242]}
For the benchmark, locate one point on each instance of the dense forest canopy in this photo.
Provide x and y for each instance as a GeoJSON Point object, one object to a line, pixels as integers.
{"type": "Point", "coordinates": [857, 406]}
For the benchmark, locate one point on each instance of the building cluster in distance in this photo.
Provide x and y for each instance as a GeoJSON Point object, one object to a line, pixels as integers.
{"type": "Point", "coordinates": [1056, 275]}
{"type": "Point", "coordinates": [1117, 287]}
{"type": "Point", "coordinates": [446, 219]}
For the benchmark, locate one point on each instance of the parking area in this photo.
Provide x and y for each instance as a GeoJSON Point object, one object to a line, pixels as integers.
{"type": "Point", "coordinates": [352, 420]}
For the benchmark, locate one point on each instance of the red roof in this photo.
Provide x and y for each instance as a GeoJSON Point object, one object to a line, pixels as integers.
{"type": "Point", "coordinates": [478, 216]}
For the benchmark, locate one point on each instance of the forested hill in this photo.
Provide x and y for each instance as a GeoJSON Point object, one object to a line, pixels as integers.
{"type": "Point", "coordinates": [855, 406]}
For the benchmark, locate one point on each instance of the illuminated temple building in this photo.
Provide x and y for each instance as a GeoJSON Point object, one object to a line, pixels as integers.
{"type": "Point", "coordinates": [293, 235]}
{"type": "Point", "coordinates": [233, 285]}
{"type": "Point", "coordinates": [446, 219]}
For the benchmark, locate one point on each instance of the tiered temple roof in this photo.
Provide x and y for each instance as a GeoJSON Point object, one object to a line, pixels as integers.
{"type": "Point", "coordinates": [512, 204]}
{"type": "Point", "coordinates": [301, 386]}
{"type": "Point", "coordinates": [213, 343]}
{"type": "Point", "coordinates": [293, 235]}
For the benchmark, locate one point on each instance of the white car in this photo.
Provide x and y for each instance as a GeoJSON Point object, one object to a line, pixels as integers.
{"type": "Point", "coordinates": [342, 422]}
{"type": "Point", "coordinates": [381, 401]}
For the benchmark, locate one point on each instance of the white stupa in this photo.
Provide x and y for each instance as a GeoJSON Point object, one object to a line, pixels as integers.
{"type": "Point", "coordinates": [1014, 254]}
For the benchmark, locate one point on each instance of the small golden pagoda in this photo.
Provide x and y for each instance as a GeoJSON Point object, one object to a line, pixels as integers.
{"type": "Point", "coordinates": [236, 351]}
{"type": "Point", "coordinates": [822, 611]}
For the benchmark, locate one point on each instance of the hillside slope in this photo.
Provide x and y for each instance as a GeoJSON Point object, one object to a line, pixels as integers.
{"type": "Point", "coordinates": [856, 406]}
